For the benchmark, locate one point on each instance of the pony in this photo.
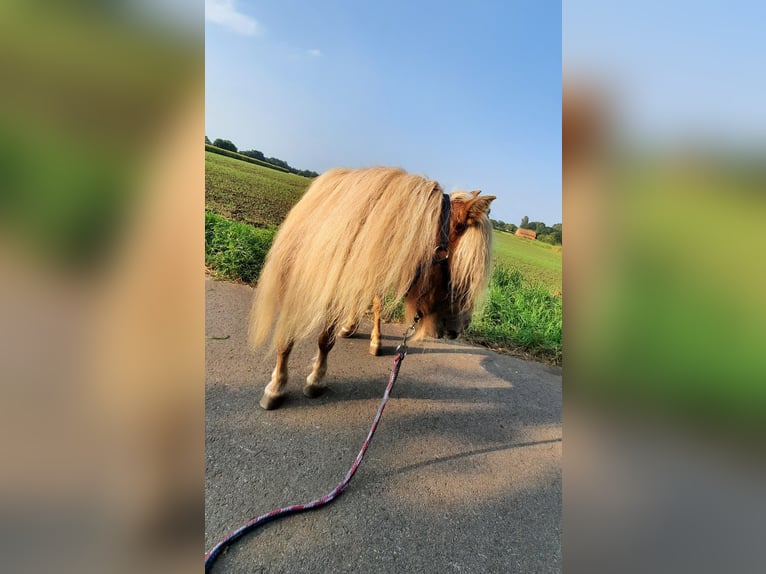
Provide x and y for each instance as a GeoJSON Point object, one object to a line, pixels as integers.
{"type": "Point", "coordinates": [355, 236]}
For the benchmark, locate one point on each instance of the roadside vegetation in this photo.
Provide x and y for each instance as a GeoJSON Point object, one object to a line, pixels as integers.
{"type": "Point", "coordinates": [521, 313]}
{"type": "Point", "coordinates": [235, 250]}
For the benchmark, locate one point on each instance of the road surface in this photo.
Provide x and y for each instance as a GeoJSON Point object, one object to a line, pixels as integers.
{"type": "Point", "coordinates": [463, 474]}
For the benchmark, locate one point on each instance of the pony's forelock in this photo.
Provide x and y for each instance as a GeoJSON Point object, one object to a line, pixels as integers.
{"type": "Point", "coordinates": [470, 262]}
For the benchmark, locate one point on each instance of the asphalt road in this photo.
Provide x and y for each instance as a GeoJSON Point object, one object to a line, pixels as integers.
{"type": "Point", "coordinates": [463, 474]}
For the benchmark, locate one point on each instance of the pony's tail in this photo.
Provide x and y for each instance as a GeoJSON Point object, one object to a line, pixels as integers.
{"type": "Point", "coordinates": [266, 303]}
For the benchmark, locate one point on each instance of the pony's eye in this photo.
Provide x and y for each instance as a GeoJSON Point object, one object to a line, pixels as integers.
{"type": "Point", "coordinates": [460, 227]}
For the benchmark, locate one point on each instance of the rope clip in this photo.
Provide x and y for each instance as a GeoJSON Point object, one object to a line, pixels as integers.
{"type": "Point", "coordinates": [402, 348]}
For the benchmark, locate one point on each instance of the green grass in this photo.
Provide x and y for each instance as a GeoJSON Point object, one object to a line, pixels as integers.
{"type": "Point", "coordinates": [519, 314]}
{"type": "Point", "coordinates": [537, 261]}
{"type": "Point", "coordinates": [250, 193]}
{"type": "Point", "coordinates": [235, 250]}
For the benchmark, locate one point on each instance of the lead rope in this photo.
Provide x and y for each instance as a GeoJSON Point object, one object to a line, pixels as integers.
{"type": "Point", "coordinates": [401, 352]}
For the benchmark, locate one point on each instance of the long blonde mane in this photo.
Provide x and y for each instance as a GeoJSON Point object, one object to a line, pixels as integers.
{"type": "Point", "coordinates": [354, 234]}
{"type": "Point", "coordinates": [471, 261]}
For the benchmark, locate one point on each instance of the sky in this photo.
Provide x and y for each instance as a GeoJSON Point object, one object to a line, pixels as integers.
{"type": "Point", "coordinates": [678, 71]}
{"type": "Point", "coordinates": [467, 93]}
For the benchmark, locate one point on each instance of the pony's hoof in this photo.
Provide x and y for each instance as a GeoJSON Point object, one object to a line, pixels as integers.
{"type": "Point", "coordinates": [347, 331]}
{"type": "Point", "coordinates": [271, 402]}
{"type": "Point", "coordinates": [375, 350]}
{"type": "Point", "coordinates": [314, 391]}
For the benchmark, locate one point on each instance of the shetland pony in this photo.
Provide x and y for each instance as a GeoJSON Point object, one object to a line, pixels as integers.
{"type": "Point", "coordinates": [355, 236]}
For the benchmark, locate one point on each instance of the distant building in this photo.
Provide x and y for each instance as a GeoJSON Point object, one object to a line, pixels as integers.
{"type": "Point", "coordinates": [528, 233]}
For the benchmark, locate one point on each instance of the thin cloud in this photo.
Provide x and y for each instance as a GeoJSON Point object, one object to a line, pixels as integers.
{"type": "Point", "coordinates": [224, 13]}
{"type": "Point", "coordinates": [314, 53]}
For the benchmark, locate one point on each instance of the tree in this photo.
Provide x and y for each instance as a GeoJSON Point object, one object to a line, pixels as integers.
{"type": "Point", "coordinates": [524, 222]}
{"type": "Point", "coordinates": [254, 153]}
{"type": "Point", "coordinates": [498, 224]}
{"type": "Point", "coordinates": [225, 144]}
{"type": "Point", "coordinates": [279, 162]}
{"type": "Point", "coordinates": [557, 233]}
{"type": "Point", "coordinates": [547, 238]}
{"type": "Point", "coordinates": [207, 141]}
{"type": "Point", "coordinates": [511, 228]}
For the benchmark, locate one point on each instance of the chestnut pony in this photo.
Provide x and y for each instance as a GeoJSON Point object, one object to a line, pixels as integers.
{"type": "Point", "coordinates": [355, 236]}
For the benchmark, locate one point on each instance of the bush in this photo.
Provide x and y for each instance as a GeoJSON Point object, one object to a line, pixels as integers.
{"type": "Point", "coordinates": [519, 314]}
{"type": "Point", "coordinates": [254, 153]}
{"type": "Point", "coordinates": [547, 238]}
{"type": "Point", "coordinates": [235, 250]}
{"type": "Point", "coordinates": [225, 144]}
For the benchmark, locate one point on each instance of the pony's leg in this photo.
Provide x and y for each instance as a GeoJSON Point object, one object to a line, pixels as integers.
{"type": "Point", "coordinates": [273, 394]}
{"type": "Point", "coordinates": [375, 335]}
{"type": "Point", "coordinates": [314, 386]}
{"type": "Point", "coordinates": [349, 328]}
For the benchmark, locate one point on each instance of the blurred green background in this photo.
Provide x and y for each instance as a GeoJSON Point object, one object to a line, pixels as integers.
{"type": "Point", "coordinates": [679, 323]}
{"type": "Point", "coordinates": [87, 88]}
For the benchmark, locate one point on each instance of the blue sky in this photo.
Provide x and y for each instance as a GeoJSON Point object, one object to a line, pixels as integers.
{"type": "Point", "coordinates": [468, 93]}
{"type": "Point", "coordinates": [678, 71]}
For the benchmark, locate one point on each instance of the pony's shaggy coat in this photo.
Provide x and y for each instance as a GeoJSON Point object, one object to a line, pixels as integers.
{"type": "Point", "coordinates": [354, 235]}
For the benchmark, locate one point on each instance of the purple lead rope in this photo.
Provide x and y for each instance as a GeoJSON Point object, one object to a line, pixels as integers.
{"type": "Point", "coordinates": [211, 556]}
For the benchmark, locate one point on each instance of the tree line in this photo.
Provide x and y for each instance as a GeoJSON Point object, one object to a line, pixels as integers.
{"type": "Point", "coordinates": [254, 153]}
{"type": "Point", "coordinates": [544, 233]}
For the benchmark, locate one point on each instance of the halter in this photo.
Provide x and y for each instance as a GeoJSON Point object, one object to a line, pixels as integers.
{"type": "Point", "coordinates": [443, 248]}
{"type": "Point", "coordinates": [441, 253]}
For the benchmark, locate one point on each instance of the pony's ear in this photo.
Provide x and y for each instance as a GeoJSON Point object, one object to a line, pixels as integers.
{"type": "Point", "coordinates": [475, 192]}
{"type": "Point", "coordinates": [479, 205]}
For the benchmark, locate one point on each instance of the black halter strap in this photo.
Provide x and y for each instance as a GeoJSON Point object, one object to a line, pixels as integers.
{"type": "Point", "coordinates": [441, 253]}
{"type": "Point", "coordinates": [442, 250]}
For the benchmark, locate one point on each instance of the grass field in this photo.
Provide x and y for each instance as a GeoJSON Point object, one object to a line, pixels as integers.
{"type": "Point", "coordinates": [522, 313]}
{"type": "Point", "coordinates": [537, 261]}
{"type": "Point", "coordinates": [250, 193]}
